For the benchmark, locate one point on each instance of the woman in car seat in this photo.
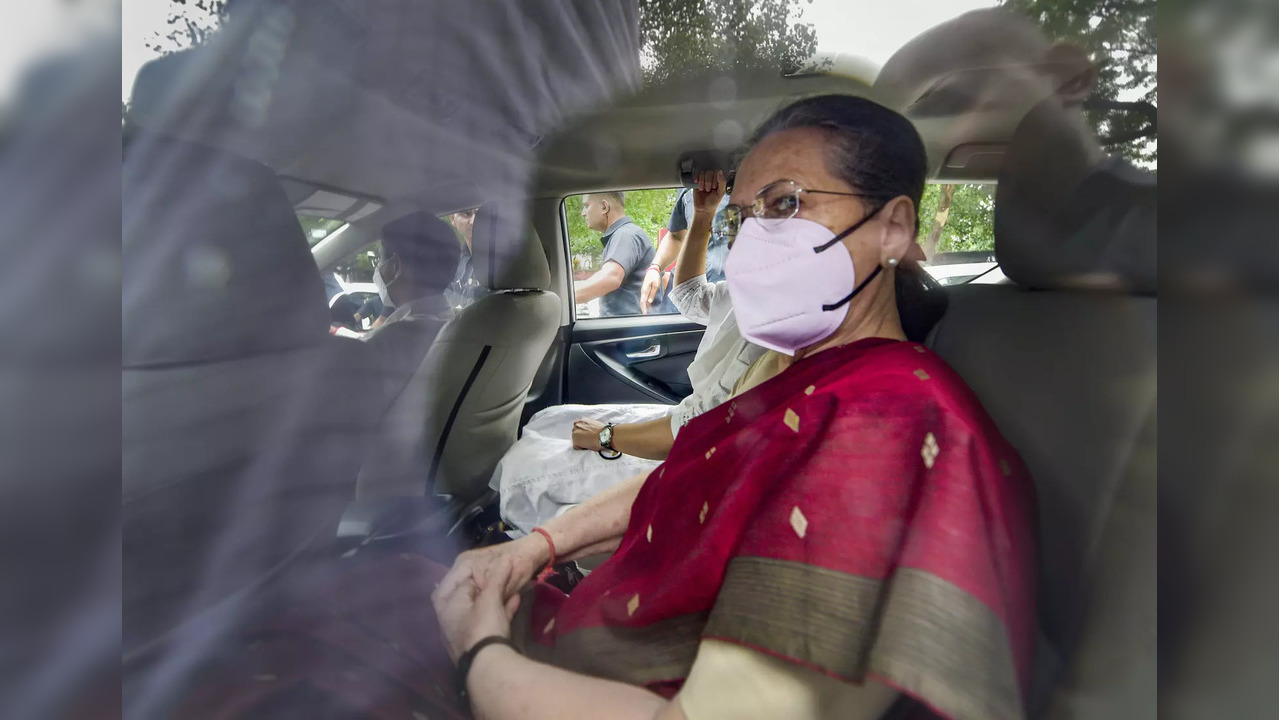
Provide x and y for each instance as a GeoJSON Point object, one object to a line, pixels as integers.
{"type": "Point", "coordinates": [540, 477]}
{"type": "Point", "coordinates": [849, 536]}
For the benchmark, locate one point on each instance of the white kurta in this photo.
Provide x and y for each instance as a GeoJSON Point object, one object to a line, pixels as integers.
{"type": "Point", "coordinates": [542, 475]}
{"type": "Point", "coordinates": [722, 356]}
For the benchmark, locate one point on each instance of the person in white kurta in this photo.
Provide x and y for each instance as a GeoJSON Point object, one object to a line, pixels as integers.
{"type": "Point", "coordinates": [550, 469]}
{"type": "Point", "coordinates": [543, 475]}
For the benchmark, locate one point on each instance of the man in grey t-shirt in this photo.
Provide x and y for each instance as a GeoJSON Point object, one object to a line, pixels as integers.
{"type": "Point", "coordinates": [627, 255]}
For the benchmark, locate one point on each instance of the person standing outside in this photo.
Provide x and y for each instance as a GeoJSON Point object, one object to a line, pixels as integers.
{"type": "Point", "coordinates": [628, 253]}
{"type": "Point", "coordinates": [464, 288]}
{"type": "Point", "coordinates": [668, 250]}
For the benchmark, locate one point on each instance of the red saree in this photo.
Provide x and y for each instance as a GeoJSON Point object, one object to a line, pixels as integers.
{"type": "Point", "coordinates": [858, 514]}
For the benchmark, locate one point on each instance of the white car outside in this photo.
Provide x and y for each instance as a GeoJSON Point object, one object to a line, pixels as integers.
{"type": "Point", "coordinates": [981, 273]}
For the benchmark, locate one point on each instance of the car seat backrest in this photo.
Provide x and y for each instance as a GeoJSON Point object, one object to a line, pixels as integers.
{"type": "Point", "coordinates": [216, 261]}
{"type": "Point", "coordinates": [1069, 373]}
{"type": "Point", "coordinates": [399, 460]}
{"type": "Point", "coordinates": [240, 412]}
{"type": "Point", "coordinates": [476, 375]}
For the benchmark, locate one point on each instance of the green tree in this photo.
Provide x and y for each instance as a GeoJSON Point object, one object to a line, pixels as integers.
{"type": "Point", "coordinates": [680, 37]}
{"type": "Point", "coordinates": [1121, 37]}
{"type": "Point", "coordinates": [967, 224]}
{"type": "Point", "coordinates": [318, 228]}
{"type": "Point", "coordinates": [187, 28]}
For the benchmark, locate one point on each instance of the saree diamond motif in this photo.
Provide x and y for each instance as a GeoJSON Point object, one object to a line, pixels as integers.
{"type": "Point", "coordinates": [649, 534]}
{"type": "Point", "coordinates": [921, 374]}
{"type": "Point", "coordinates": [633, 605]}
{"type": "Point", "coordinates": [920, 349]}
{"type": "Point", "coordinates": [930, 450]}
{"type": "Point", "coordinates": [810, 389]}
{"type": "Point", "coordinates": [710, 452]}
{"type": "Point", "coordinates": [798, 522]}
{"type": "Point", "coordinates": [549, 627]}
{"type": "Point", "coordinates": [706, 507]}
{"type": "Point", "coordinates": [791, 418]}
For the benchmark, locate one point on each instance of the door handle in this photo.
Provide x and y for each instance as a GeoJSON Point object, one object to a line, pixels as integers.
{"type": "Point", "coordinates": [649, 352]}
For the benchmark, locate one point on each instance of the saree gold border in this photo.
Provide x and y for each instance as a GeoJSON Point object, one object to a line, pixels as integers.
{"type": "Point", "coordinates": [919, 632]}
{"type": "Point", "coordinates": [812, 614]}
{"type": "Point", "coordinates": [663, 650]}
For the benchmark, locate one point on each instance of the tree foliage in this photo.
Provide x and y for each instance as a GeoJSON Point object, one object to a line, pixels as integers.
{"type": "Point", "coordinates": [677, 36]}
{"type": "Point", "coordinates": [1121, 37]}
{"type": "Point", "coordinates": [970, 224]}
{"type": "Point", "coordinates": [188, 29]}
{"type": "Point", "coordinates": [650, 209]}
{"type": "Point", "coordinates": [680, 37]}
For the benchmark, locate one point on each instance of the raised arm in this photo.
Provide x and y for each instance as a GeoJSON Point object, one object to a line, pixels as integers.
{"type": "Point", "coordinates": [692, 254]}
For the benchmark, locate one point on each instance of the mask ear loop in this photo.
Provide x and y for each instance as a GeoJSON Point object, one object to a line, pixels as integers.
{"type": "Point", "coordinates": [859, 288]}
{"type": "Point", "coordinates": [830, 243]}
{"type": "Point", "coordinates": [394, 259]}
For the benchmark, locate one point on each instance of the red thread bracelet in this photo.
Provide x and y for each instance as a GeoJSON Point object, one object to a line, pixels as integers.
{"type": "Point", "coordinates": [550, 564]}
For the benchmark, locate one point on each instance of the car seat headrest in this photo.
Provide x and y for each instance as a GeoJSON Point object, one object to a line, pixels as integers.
{"type": "Point", "coordinates": [216, 264]}
{"type": "Point", "coordinates": [508, 254]}
{"type": "Point", "coordinates": [1063, 223]}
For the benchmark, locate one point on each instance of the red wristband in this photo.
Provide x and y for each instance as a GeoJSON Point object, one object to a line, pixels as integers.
{"type": "Point", "coordinates": [550, 564]}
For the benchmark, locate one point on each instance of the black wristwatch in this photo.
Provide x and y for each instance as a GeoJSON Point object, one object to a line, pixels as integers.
{"type": "Point", "coordinates": [606, 442]}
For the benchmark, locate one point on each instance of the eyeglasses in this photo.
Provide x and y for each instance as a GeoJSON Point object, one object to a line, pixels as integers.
{"type": "Point", "coordinates": [774, 202]}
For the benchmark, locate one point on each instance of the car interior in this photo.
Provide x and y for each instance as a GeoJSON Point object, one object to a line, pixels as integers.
{"type": "Point", "coordinates": [1068, 372]}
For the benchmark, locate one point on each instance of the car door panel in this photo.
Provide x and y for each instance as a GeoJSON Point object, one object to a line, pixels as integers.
{"type": "Point", "coordinates": [631, 360]}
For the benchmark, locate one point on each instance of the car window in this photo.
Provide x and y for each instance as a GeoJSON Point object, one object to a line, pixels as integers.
{"type": "Point", "coordinates": [627, 230]}
{"type": "Point", "coordinates": [358, 267]}
{"type": "Point", "coordinates": [317, 228]}
{"type": "Point", "coordinates": [354, 303]}
{"type": "Point", "coordinates": [957, 232]}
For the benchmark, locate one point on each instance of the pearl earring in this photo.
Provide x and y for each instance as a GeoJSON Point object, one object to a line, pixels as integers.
{"type": "Point", "coordinates": [892, 262]}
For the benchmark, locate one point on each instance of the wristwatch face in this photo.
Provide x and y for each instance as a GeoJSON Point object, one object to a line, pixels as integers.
{"type": "Point", "coordinates": [606, 436]}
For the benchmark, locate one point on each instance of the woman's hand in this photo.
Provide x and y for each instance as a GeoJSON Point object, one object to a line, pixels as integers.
{"type": "Point", "coordinates": [586, 435]}
{"type": "Point", "coordinates": [710, 189]}
{"type": "Point", "coordinates": [524, 557]}
{"type": "Point", "coordinates": [475, 608]}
